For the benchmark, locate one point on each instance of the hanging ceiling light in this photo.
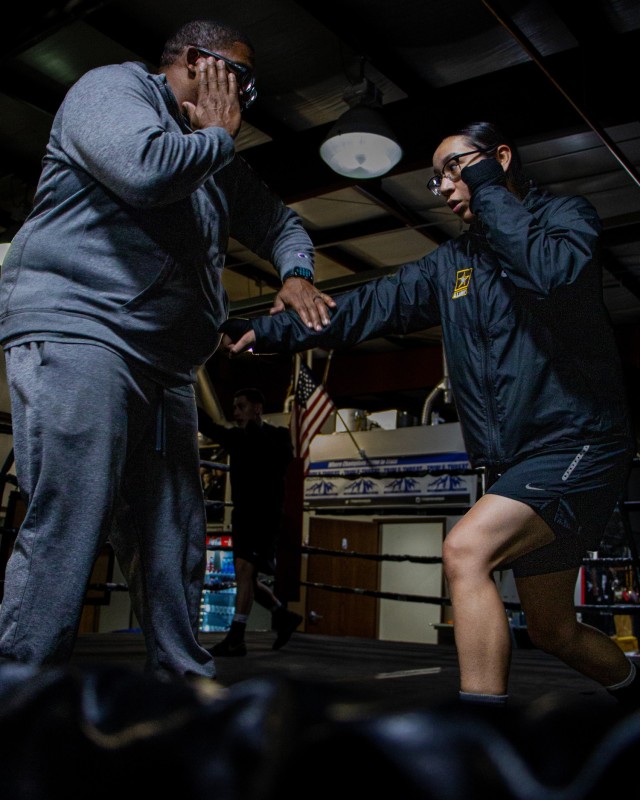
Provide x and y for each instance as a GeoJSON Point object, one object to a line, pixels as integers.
{"type": "Point", "coordinates": [361, 144]}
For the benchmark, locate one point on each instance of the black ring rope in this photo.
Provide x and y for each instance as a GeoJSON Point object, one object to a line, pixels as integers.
{"type": "Point", "coordinates": [123, 587]}
{"type": "Point", "coordinates": [413, 598]}
{"type": "Point", "coordinates": [221, 585]}
{"type": "Point", "coordinates": [323, 551]}
{"type": "Point", "coordinates": [444, 601]}
{"type": "Point", "coordinates": [370, 556]}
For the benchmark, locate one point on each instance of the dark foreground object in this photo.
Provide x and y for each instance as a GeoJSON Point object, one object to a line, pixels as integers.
{"type": "Point", "coordinates": [111, 731]}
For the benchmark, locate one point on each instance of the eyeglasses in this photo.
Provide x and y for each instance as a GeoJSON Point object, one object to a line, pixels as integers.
{"type": "Point", "coordinates": [452, 170]}
{"type": "Point", "coordinates": [244, 74]}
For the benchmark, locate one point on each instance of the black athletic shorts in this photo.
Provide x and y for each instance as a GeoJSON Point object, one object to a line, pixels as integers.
{"type": "Point", "coordinates": [254, 538]}
{"type": "Point", "coordinates": [575, 490]}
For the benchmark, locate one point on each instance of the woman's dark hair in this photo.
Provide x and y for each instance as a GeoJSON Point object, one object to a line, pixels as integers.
{"type": "Point", "coordinates": [488, 136]}
{"type": "Point", "coordinates": [209, 33]}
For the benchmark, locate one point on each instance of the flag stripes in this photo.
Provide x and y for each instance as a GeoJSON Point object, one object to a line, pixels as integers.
{"type": "Point", "coordinates": [312, 407]}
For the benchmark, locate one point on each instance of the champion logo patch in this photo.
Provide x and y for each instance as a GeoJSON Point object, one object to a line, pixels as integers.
{"type": "Point", "coordinates": [463, 279]}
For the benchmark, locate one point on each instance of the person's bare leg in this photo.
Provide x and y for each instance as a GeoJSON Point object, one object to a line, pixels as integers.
{"type": "Point", "coordinates": [245, 586]}
{"type": "Point", "coordinates": [552, 625]}
{"type": "Point", "coordinates": [264, 596]}
{"type": "Point", "coordinates": [494, 530]}
{"type": "Point", "coordinates": [233, 644]}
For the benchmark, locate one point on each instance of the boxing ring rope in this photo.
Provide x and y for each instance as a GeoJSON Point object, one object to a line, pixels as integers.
{"type": "Point", "coordinates": [370, 556]}
{"type": "Point", "coordinates": [595, 560]}
{"type": "Point", "coordinates": [445, 601]}
{"type": "Point", "coordinates": [632, 561]}
{"type": "Point", "coordinates": [620, 608]}
{"type": "Point", "coordinates": [631, 608]}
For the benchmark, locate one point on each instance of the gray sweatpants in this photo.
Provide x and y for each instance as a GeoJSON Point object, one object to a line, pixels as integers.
{"type": "Point", "coordinates": [102, 451]}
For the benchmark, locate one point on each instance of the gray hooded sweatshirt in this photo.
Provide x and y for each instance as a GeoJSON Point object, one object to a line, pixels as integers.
{"type": "Point", "coordinates": [127, 238]}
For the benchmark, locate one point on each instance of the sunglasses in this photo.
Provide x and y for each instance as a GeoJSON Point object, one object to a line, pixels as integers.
{"type": "Point", "coordinates": [244, 74]}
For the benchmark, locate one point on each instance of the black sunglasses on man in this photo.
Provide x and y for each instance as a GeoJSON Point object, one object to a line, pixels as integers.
{"type": "Point", "coordinates": [244, 74]}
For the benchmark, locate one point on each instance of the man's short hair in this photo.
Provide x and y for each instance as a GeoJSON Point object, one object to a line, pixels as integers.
{"type": "Point", "coordinates": [210, 33]}
{"type": "Point", "coordinates": [252, 394]}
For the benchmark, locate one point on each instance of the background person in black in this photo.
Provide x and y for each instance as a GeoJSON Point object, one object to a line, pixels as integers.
{"type": "Point", "coordinates": [259, 455]}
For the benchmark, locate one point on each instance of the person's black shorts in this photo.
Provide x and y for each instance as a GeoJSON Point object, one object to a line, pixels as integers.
{"type": "Point", "coordinates": [575, 490]}
{"type": "Point", "coordinates": [254, 539]}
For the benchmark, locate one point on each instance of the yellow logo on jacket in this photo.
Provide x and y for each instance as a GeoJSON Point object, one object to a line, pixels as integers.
{"type": "Point", "coordinates": [463, 279]}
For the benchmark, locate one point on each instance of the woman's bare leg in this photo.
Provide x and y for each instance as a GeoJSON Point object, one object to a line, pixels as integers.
{"type": "Point", "coordinates": [495, 529]}
{"type": "Point", "coordinates": [552, 625]}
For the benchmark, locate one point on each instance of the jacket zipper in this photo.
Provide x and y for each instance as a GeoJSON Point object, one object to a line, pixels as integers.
{"type": "Point", "coordinates": [492, 412]}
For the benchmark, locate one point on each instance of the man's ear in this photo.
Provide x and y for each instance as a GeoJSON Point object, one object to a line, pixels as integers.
{"type": "Point", "coordinates": [191, 56]}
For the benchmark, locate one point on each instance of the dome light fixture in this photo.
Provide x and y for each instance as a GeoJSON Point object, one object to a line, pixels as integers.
{"type": "Point", "coordinates": [361, 144]}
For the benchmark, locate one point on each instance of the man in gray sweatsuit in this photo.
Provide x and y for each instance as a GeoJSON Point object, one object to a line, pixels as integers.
{"type": "Point", "coordinates": [110, 297]}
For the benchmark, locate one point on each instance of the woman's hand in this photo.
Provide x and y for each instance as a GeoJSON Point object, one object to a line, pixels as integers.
{"type": "Point", "coordinates": [242, 345]}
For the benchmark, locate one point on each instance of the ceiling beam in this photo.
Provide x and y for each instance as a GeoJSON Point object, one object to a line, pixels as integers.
{"type": "Point", "coordinates": [409, 219]}
{"type": "Point", "coordinates": [355, 230]}
{"type": "Point", "coordinates": [366, 41]}
{"type": "Point", "coordinates": [259, 276]}
{"type": "Point", "coordinates": [346, 260]}
{"type": "Point", "coordinates": [591, 27]}
{"type": "Point", "coordinates": [28, 27]}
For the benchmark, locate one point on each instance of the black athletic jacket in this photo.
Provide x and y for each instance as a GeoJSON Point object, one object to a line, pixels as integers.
{"type": "Point", "coordinates": [529, 345]}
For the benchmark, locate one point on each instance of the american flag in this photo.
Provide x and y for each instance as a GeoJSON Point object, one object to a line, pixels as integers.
{"type": "Point", "coordinates": [311, 408]}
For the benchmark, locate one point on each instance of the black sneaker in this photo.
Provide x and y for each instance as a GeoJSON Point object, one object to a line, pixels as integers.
{"type": "Point", "coordinates": [284, 622]}
{"type": "Point", "coordinates": [227, 648]}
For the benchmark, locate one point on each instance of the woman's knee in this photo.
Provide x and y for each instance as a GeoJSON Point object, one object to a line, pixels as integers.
{"type": "Point", "coordinates": [459, 558]}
